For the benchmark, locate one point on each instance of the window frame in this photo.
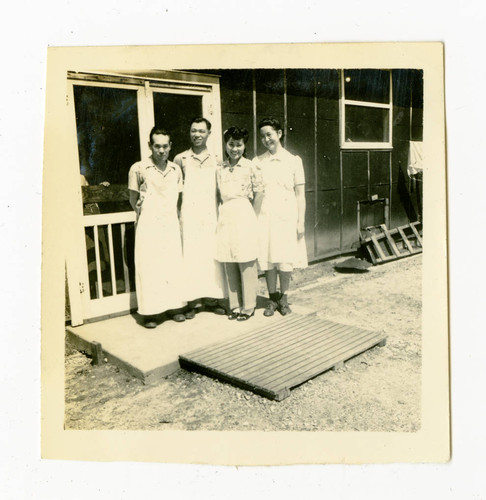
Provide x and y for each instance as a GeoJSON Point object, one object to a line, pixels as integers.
{"type": "Point", "coordinates": [343, 102]}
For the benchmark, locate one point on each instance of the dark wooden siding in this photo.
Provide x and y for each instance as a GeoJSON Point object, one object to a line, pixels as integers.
{"type": "Point", "coordinates": [237, 103]}
{"type": "Point", "coordinates": [306, 102]}
{"type": "Point", "coordinates": [328, 223]}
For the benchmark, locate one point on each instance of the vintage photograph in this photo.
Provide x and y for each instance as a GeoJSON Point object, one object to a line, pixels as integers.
{"type": "Point", "coordinates": [330, 159]}
{"type": "Point", "coordinates": [245, 248]}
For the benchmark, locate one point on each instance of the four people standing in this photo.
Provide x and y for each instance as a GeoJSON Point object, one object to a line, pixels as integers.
{"type": "Point", "coordinates": [261, 216]}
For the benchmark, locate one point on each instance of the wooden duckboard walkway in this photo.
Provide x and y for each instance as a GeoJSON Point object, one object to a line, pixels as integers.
{"type": "Point", "coordinates": [272, 360]}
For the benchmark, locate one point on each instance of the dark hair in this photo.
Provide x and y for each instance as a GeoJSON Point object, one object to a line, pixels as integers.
{"type": "Point", "coordinates": [158, 131]}
{"type": "Point", "coordinates": [236, 133]}
{"type": "Point", "coordinates": [271, 122]}
{"type": "Point", "coordinates": [200, 119]}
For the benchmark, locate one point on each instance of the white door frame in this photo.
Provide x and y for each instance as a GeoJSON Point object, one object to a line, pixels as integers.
{"type": "Point", "coordinates": [82, 307]}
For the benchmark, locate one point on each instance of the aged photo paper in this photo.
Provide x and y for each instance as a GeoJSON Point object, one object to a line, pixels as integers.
{"type": "Point", "coordinates": [60, 239]}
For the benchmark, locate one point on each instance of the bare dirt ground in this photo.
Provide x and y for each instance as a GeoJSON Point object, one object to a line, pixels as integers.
{"type": "Point", "coordinates": [378, 390]}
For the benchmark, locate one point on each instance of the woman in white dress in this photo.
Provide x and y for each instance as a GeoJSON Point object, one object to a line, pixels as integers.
{"type": "Point", "coordinates": [281, 221]}
{"type": "Point", "coordinates": [154, 185]}
{"type": "Point", "coordinates": [239, 186]}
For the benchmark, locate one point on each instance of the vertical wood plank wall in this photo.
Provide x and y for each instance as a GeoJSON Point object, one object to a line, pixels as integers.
{"type": "Point", "coordinates": [306, 102]}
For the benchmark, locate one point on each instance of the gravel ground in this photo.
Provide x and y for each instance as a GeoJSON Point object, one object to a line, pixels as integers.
{"type": "Point", "coordinates": [378, 390]}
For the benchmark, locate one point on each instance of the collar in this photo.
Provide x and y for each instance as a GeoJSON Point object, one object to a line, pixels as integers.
{"type": "Point", "coordinates": [200, 156]}
{"type": "Point", "coordinates": [241, 163]}
{"type": "Point", "coordinates": [279, 156]}
{"type": "Point", "coordinates": [151, 164]}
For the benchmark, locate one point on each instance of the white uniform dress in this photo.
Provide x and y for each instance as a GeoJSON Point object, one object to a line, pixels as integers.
{"type": "Point", "coordinates": [158, 249]}
{"type": "Point", "coordinates": [236, 233]}
{"type": "Point", "coordinates": [203, 273]}
{"type": "Point", "coordinates": [277, 223]}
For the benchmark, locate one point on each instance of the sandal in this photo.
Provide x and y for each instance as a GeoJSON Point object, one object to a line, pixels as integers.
{"type": "Point", "coordinates": [244, 316]}
{"type": "Point", "coordinates": [233, 315]}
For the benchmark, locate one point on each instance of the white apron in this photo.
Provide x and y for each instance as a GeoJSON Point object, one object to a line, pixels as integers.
{"type": "Point", "coordinates": [158, 250]}
{"type": "Point", "coordinates": [203, 274]}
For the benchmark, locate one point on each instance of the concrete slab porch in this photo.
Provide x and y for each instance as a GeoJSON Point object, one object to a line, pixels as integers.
{"type": "Point", "coordinates": [153, 354]}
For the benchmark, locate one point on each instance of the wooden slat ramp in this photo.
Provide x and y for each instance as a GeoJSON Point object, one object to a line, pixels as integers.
{"type": "Point", "coordinates": [272, 360]}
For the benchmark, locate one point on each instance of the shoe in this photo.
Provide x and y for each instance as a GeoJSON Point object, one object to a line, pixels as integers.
{"type": "Point", "coordinates": [272, 304]}
{"type": "Point", "coordinates": [283, 305]}
{"type": "Point", "coordinates": [244, 316]}
{"type": "Point", "coordinates": [270, 309]}
{"type": "Point", "coordinates": [233, 315]}
{"type": "Point", "coordinates": [179, 317]}
{"type": "Point", "coordinates": [191, 314]}
{"type": "Point", "coordinates": [216, 310]}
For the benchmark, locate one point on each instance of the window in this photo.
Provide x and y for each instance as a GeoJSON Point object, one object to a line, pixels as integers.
{"type": "Point", "coordinates": [366, 108]}
{"type": "Point", "coordinates": [107, 128]}
{"type": "Point", "coordinates": [108, 144]}
{"type": "Point", "coordinates": [174, 112]}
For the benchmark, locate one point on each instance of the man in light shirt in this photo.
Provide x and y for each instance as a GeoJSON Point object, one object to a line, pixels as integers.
{"type": "Point", "coordinates": [203, 275]}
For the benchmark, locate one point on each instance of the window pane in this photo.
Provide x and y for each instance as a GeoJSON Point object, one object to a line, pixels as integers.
{"type": "Point", "coordinates": [108, 143]}
{"type": "Point", "coordinates": [370, 85]}
{"type": "Point", "coordinates": [174, 113]}
{"type": "Point", "coordinates": [364, 124]}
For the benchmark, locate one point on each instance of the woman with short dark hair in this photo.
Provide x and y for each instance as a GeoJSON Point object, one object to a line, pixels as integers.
{"type": "Point", "coordinates": [281, 220]}
{"type": "Point", "coordinates": [239, 189]}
